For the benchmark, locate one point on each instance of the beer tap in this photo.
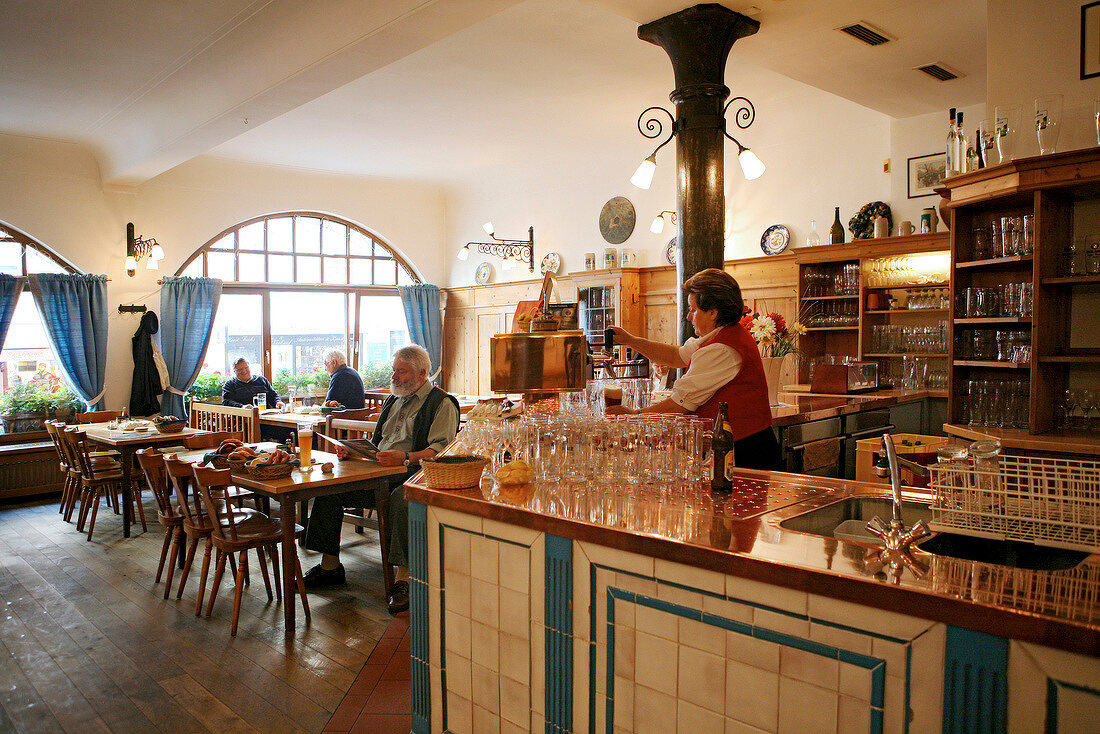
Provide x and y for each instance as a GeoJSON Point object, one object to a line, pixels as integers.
{"type": "Point", "coordinates": [602, 360]}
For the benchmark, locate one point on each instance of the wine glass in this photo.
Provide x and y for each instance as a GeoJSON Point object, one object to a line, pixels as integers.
{"type": "Point", "coordinates": [1048, 121]}
{"type": "Point", "coordinates": [1069, 404]}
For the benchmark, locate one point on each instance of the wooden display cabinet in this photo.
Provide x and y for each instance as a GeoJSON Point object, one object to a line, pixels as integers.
{"type": "Point", "coordinates": [1061, 195]}
{"type": "Point", "coordinates": [608, 298]}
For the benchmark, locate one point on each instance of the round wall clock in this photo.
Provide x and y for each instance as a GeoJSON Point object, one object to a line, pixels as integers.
{"type": "Point", "coordinates": [617, 220]}
{"type": "Point", "coordinates": [483, 273]}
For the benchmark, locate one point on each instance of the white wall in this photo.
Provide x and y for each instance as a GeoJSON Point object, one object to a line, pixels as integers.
{"type": "Point", "coordinates": [820, 150]}
{"type": "Point", "coordinates": [52, 192]}
{"type": "Point", "coordinates": [1033, 48]}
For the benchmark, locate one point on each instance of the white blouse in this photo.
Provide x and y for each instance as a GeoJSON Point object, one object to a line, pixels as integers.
{"type": "Point", "coordinates": [709, 368]}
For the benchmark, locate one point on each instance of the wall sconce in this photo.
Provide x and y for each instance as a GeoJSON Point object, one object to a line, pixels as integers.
{"type": "Point", "coordinates": [139, 247]}
{"type": "Point", "coordinates": [650, 126]}
{"type": "Point", "coordinates": [513, 252]}
{"type": "Point", "coordinates": [658, 225]}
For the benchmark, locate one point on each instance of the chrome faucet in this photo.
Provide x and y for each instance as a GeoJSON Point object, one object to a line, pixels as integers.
{"type": "Point", "coordinates": [898, 541]}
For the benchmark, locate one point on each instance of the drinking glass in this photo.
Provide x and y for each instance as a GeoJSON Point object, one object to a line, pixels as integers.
{"type": "Point", "coordinates": [259, 400]}
{"type": "Point", "coordinates": [124, 414]}
{"type": "Point", "coordinates": [987, 135]}
{"type": "Point", "coordinates": [1069, 404]}
{"type": "Point", "coordinates": [1027, 244]}
{"type": "Point", "coordinates": [1008, 123]}
{"type": "Point", "coordinates": [291, 393]}
{"type": "Point", "coordinates": [1048, 121]}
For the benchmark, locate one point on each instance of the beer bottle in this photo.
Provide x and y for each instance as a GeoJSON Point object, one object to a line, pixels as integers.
{"type": "Point", "coordinates": [722, 451]}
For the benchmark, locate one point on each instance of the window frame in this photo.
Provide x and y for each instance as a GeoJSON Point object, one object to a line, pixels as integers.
{"type": "Point", "coordinates": [353, 293]}
{"type": "Point", "coordinates": [9, 233]}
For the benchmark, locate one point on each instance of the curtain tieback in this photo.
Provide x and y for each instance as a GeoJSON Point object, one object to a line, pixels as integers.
{"type": "Point", "coordinates": [97, 398]}
{"type": "Point", "coordinates": [177, 392]}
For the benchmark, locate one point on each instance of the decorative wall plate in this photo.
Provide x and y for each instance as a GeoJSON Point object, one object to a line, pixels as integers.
{"type": "Point", "coordinates": [670, 251]}
{"type": "Point", "coordinates": [775, 239]}
{"type": "Point", "coordinates": [617, 220]}
{"type": "Point", "coordinates": [483, 273]}
{"type": "Point", "coordinates": [551, 263]}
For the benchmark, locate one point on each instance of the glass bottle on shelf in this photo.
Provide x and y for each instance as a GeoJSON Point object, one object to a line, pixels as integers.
{"type": "Point", "coordinates": [972, 155]}
{"type": "Point", "coordinates": [952, 164]}
{"type": "Point", "coordinates": [960, 143]}
{"type": "Point", "coordinates": [836, 232]}
{"type": "Point", "coordinates": [813, 239]}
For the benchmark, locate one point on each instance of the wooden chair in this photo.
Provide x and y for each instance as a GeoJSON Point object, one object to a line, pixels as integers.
{"type": "Point", "coordinates": [210, 440]}
{"type": "Point", "coordinates": [94, 480]}
{"type": "Point", "coordinates": [208, 417]}
{"type": "Point", "coordinates": [197, 525]}
{"type": "Point", "coordinates": [70, 486]}
{"type": "Point", "coordinates": [98, 416]}
{"type": "Point", "coordinates": [152, 466]}
{"type": "Point", "coordinates": [232, 536]}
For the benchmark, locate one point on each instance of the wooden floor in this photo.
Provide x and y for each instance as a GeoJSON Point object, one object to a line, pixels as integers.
{"type": "Point", "coordinates": [88, 644]}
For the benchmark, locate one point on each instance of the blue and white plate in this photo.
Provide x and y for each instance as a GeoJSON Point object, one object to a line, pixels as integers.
{"type": "Point", "coordinates": [483, 273]}
{"type": "Point", "coordinates": [775, 239]}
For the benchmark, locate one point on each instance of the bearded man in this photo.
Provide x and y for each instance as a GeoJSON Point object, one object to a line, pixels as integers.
{"type": "Point", "coordinates": [417, 422]}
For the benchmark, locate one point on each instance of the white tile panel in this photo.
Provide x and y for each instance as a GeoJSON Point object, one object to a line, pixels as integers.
{"type": "Point", "coordinates": [809, 667]}
{"type": "Point", "coordinates": [727, 609]}
{"type": "Point", "coordinates": [654, 712]}
{"type": "Point", "coordinates": [457, 589]}
{"type": "Point", "coordinates": [676, 595]}
{"type": "Point", "coordinates": [485, 722]}
{"type": "Point", "coordinates": [878, 621]}
{"type": "Point", "coordinates": [458, 634]}
{"type": "Point", "coordinates": [656, 623]}
{"type": "Point", "coordinates": [485, 645]}
{"type": "Point", "coordinates": [624, 703]}
{"type": "Point", "coordinates": [893, 653]}
{"type": "Point", "coordinates": [855, 682]}
{"type": "Point", "coordinates": [696, 578]}
{"type": "Point", "coordinates": [624, 651]}
{"type": "Point", "coordinates": [781, 623]}
{"type": "Point", "coordinates": [752, 651]}
{"type": "Point", "coordinates": [760, 593]}
{"type": "Point", "coordinates": [512, 533]}
{"type": "Point", "coordinates": [806, 709]}
{"type": "Point", "coordinates": [515, 612]}
{"type": "Point", "coordinates": [841, 638]}
{"type": "Point", "coordinates": [515, 568]}
{"type": "Point", "coordinates": [654, 662]}
{"type": "Point", "coordinates": [702, 678]}
{"type": "Point", "coordinates": [752, 695]}
{"type": "Point", "coordinates": [853, 715]}
{"type": "Point", "coordinates": [515, 658]}
{"type": "Point", "coordinates": [459, 681]}
{"type": "Point", "coordinates": [926, 679]}
{"type": "Point", "coordinates": [616, 559]}
{"type": "Point", "coordinates": [461, 520]}
{"type": "Point", "coordinates": [456, 550]}
{"type": "Point", "coordinates": [486, 685]}
{"type": "Point", "coordinates": [485, 602]}
{"type": "Point", "coordinates": [485, 559]}
{"type": "Point", "coordinates": [460, 714]}
{"type": "Point", "coordinates": [691, 718]}
{"type": "Point", "coordinates": [515, 700]}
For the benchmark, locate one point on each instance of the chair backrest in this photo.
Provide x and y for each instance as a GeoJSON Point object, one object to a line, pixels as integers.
{"type": "Point", "coordinates": [151, 462]}
{"type": "Point", "coordinates": [179, 474]}
{"type": "Point", "coordinates": [361, 414]}
{"type": "Point", "coordinates": [342, 428]}
{"type": "Point", "coordinates": [210, 440]}
{"type": "Point", "coordinates": [77, 443]}
{"type": "Point", "coordinates": [207, 417]}
{"type": "Point", "coordinates": [52, 429]}
{"type": "Point", "coordinates": [98, 416]}
{"type": "Point", "coordinates": [64, 443]}
{"type": "Point", "coordinates": [210, 485]}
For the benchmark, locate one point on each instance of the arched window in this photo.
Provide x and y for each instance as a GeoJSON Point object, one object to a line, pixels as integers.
{"type": "Point", "coordinates": [297, 284]}
{"type": "Point", "coordinates": [26, 354]}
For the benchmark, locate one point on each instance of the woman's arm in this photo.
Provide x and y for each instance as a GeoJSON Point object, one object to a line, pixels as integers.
{"type": "Point", "coordinates": [659, 352]}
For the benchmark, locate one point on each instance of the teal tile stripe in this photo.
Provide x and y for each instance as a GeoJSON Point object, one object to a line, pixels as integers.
{"type": "Point", "coordinates": [558, 614]}
{"type": "Point", "coordinates": [418, 617]}
{"type": "Point", "coordinates": [975, 683]}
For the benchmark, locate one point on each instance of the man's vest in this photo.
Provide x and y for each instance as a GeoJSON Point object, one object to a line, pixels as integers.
{"type": "Point", "coordinates": [424, 416]}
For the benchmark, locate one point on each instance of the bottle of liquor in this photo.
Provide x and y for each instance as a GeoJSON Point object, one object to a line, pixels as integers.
{"type": "Point", "coordinates": [952, 163]}
{"type": "Point", "coordinates": [722, 450]}
{"type": "Point", "coordinates": [972, 154]}
{"type": "Point", "coordinates": [813, 239]}
{"type": "Point", "coordinates": [836, 232]}
{"type": "Point", "coordinates": [960, 144]}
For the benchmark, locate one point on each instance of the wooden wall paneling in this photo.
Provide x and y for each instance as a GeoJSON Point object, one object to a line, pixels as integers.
{"type": "Point", "coordinates": [488, 325]}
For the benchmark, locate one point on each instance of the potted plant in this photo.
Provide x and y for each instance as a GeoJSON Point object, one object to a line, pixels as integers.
{"type": "Point", "coordinates": [207, 388]}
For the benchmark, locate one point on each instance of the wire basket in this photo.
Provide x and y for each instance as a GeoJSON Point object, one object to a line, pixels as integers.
{"type": "Point", "coordinates": [1045, 501]}
{"type": "Point", "coordinates": [272, 471]}
{"type": "Point", "coordinates": [171, 427]}
{"type": "Point", "coordinates": [454, 472]}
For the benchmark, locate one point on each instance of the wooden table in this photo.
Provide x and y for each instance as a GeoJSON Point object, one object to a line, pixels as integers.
{"type": "Point", "coordinates": [291, 420]}
{"type": "Point", "coordinates": [127, 442]}
{"type": "Point", "coordinates": [302, 485]}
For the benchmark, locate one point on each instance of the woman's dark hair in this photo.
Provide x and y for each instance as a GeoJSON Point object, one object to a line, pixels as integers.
{"type": "Point", "coordinates": [716, 289]}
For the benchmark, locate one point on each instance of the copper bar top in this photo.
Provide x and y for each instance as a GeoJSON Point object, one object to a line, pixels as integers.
{"type": "Point", "coordinates": [740, 535]}
{"type": "Point", "coordinates": [1058, 442]}
{"type": "Point", "coordinates": [801, 408]}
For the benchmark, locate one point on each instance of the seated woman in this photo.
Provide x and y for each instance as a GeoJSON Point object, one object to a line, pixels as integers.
{"type": "Point", "coordinates": [723, 366]}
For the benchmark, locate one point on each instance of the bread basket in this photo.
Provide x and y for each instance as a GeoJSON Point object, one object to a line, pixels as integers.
{"type": "Point", "coordinates": [272, 471]}
{"type": "Point", "coordinates": [218, 461]}
{"type": "Point", "coordinates": [453, 472]}
{"type": "Point", "coordinates": [170, 426]}
{"type": "Point", "coordinates": [237, 465]}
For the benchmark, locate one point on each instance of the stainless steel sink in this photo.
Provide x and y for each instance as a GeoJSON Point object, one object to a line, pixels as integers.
{"type": "Point", "coordinates": [847, 518]}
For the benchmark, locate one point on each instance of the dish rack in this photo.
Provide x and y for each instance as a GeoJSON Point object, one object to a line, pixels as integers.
{"type": "Point", "coordinates": [1052, 502]}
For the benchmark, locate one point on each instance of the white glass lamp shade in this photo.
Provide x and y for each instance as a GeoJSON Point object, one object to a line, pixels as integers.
{"type": "Point", "coordinates": [131, 265]}
{"type": "Point", "coordinates": [507, 264]}
{"type": "Point", "coordinates": [658, 225]}
{"type": "Point", "coordinates": [643, 177]}
{"type": "Point", "coordinates": [151, 264]}
{"type": "Point", "coordinates": [156, 253]}
{"type": "Point", "coordinates": [464, 253]}
{"type": "Point", "coordinates": [489, 229]}
{"type": "Point", "coordinates": [751, 166]}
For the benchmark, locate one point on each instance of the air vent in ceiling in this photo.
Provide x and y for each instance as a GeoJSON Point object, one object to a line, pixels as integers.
{"type": "Point", "coordinates": [938, 71]}
{"type": "Point", "coordinates": [864, 31]}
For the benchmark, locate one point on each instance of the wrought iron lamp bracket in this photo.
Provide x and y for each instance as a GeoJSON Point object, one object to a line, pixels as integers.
{"type": "Point", "coordinates": [521, 250]}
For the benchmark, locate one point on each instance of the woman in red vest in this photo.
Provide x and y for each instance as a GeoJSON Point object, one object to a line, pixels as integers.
{"type": "Point", "coordinates": [723, 366]}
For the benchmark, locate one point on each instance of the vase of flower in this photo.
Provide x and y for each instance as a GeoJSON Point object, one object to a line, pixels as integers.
{"type": "Point", "coordinates": [773, 366]}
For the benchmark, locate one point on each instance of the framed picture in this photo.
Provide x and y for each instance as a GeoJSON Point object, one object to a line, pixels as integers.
{"type": "Point", "coordinates": [925, 174]}
{"type": "Point", "coordinates": [1090, 40]}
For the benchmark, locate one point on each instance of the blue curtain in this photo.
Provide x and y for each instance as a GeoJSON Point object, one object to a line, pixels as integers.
{"type": "Point", "coordinates": [421, 304]}
{"type": "Point", "coordinates": [187, 309]}
{"type": "Point", "coordinates": [10, 286]}
{"type": "Point", "coordinates": [74, 311]}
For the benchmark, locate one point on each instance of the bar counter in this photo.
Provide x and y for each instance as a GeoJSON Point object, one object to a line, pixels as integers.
{"type": "Point", "coordinates": [800, 407]}
{"type": "Point", "coordinates": [589, 580]}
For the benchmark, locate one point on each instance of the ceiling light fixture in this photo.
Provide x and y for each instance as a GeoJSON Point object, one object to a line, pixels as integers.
{"type": "Point", "coordinates": [513, 252]}
{"type": "Point", "coordinates": [651, 126]}
{"type": "Point", "coordinates": [138, 247]}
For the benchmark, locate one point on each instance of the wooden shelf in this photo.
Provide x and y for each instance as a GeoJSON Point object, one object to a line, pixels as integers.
{"type": "Point", "coordinates": [1071, 280]}
{"type": "Point", "coordinates": [907, 310]}
{"type": "Point", "coordinates": [996, 320]}
{"type": "Point", "coordinates": [831, 298]}
{"type": "Point", "coordinates": [995, 261]}
{"type": "Point", "coordinates": [1071, 359]}
{"type": "Point", "coordinates": [832, 328]}
{"type": "Point", "coordinates": [909, 287]}
{"type": "Point", "coordinates": [905, 354]}
{"type": "Point", "coordinates": [992, 363]}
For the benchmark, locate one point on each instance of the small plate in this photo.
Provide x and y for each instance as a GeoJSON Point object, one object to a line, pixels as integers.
{"type": "Point", "coordinates": [670, 251]}
{"type": "Point", "coordinates": [483, 273]}
{"type": "Point", "coordinates": [551, 263]}
{"type": "Point", "coordinates": [775, 239]}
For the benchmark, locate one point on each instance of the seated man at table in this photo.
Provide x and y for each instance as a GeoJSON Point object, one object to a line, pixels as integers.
{"type": "Point", "coordinates": [417, 421]}
{"type": "Point", "coordinates": [345, 386]}
{"type": "Point", "coordinates": [239, 391]}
